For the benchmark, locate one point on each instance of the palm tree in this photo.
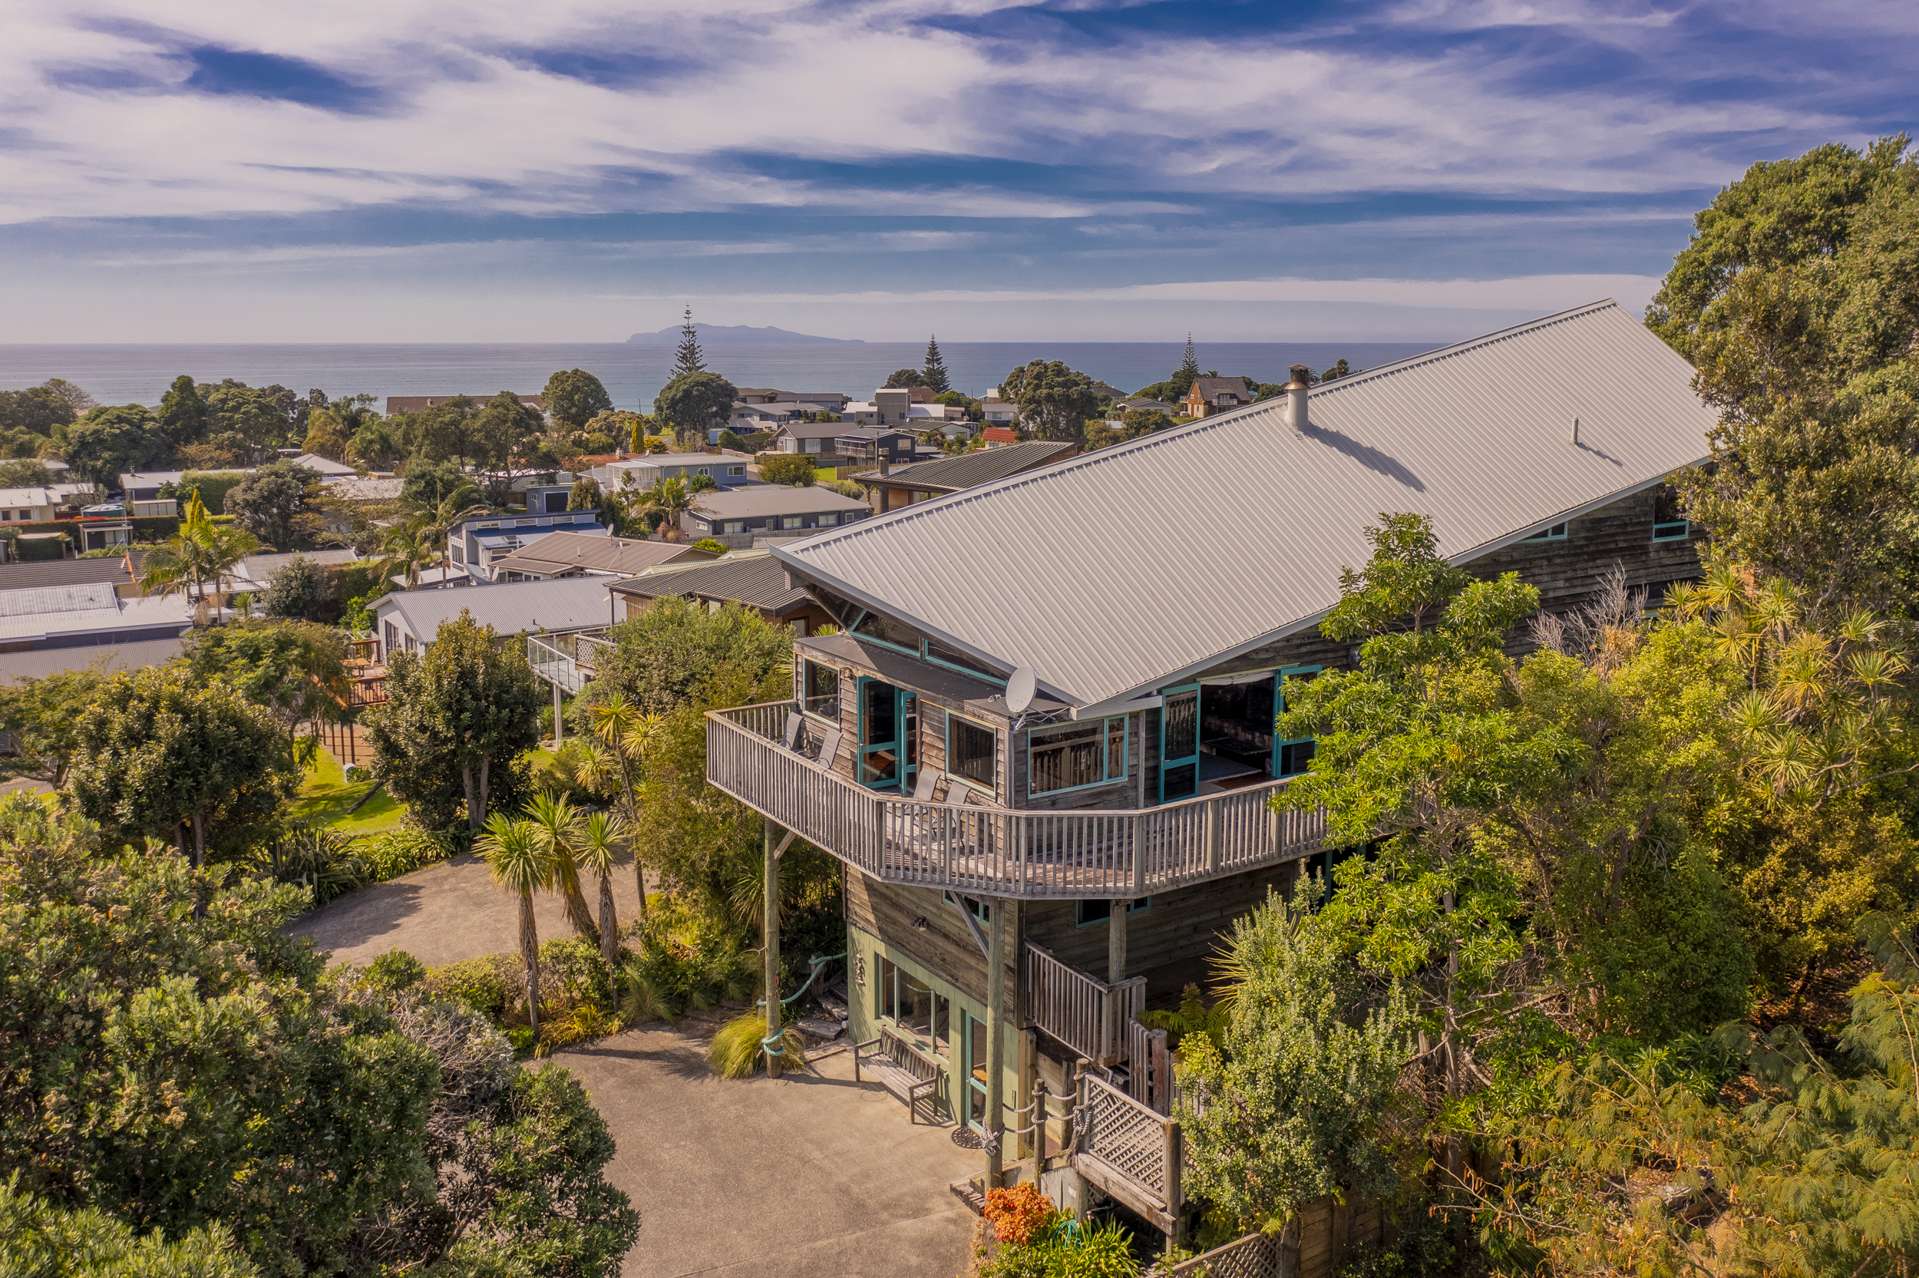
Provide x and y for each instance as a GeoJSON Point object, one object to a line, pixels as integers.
{"type": "Point", "coordinates": [556, 823]}
{"type": "Point", "coordinates": [419, 541]}
{"type": "Point", "coordinates": [601, 843]}
{"type": "Point", "coordinates": [200, 553]}
{"type": "Point", "coordinates": [669, 499]}
{"type": "Point", "coordinates": [628, 733]}
{"type": "Point", "coordinates": [515, 854]}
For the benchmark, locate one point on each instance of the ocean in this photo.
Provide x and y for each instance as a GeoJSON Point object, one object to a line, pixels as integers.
{"type": "Point", "coordinates": [634, 373]}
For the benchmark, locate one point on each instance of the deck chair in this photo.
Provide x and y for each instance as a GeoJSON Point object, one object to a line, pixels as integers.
{"type": "Point", "coordinates": [828, 751]}
{"type": "Point", "coordinates": [795, 729]}
{"type": "Point", "coordinates": [928, 782]}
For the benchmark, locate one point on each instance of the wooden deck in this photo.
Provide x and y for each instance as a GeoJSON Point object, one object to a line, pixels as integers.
{"type": "Point", "coordinates": [994, 851]}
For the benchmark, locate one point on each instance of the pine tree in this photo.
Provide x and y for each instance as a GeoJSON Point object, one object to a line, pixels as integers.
{"type": "Point", "coordinates": [935, 370]}
{"type": "Point", "coordinates": [1182, 379]}
{"type": "Point", "coordinates": [688, 358]}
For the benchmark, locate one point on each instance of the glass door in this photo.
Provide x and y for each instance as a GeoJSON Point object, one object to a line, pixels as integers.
{"type": "Point", "coordinates": [1179, 744]}
{"type": "Point", "coordinates": [889, 723]}
{"type": "Point", "coordinates": [975, 1071]}
{"type": "Point", "coordinates": [1291, 756]}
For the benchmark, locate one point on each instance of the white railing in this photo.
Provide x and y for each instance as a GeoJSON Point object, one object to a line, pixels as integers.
{"type": "Point", "coordinates": [566, 660]}
{"type": "Point", "coordinates": [993, 851]}
{"type": "Point", "coordinates": [1081, 1011]}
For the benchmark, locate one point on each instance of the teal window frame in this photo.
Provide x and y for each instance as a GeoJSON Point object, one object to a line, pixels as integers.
{"type": "Point", "coordinates": [1166, 763]}
{"type": "Point", "coordinates": [1552, 532]}
{"type": "Point", "coordinates": [905, 765]}
{"type": "Point", "coordinates": [1279, 708]}
{"type": "Point", "coordinates": [1108, 776]}
{"type": "Point", "coordinates": [991, 784]}
{"type": "Point", "coordinates": [1672, 530]}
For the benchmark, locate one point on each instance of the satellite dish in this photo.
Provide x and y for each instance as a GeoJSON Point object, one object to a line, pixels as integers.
{"type": "Point", "coordinates": [1020, 689]}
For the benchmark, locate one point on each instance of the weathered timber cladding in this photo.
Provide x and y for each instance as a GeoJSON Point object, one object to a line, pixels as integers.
{"type": "Point", "coordinates": [1179, 929]}
{"type": "Point", "coordinates": [944, 945]}
{"type": "Point", "coordinates": [933, 709]}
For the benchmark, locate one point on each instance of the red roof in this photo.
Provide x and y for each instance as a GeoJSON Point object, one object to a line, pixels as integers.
{"type": "Point", "coordinates": [999, 435]}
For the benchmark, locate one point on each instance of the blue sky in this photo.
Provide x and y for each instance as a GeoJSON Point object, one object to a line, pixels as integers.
{"type": "Point", "coordinates": [574, 170]}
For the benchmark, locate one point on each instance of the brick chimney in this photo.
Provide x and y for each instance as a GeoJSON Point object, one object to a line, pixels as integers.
{"type": "Point", "coordinates": [1295, 393]}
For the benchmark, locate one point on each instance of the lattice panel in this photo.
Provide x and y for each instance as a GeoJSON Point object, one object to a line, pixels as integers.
{"type": "Point", "coordinates": [1125, 1136]}
{"type": "Point", "coordinates": [1254, 1256]}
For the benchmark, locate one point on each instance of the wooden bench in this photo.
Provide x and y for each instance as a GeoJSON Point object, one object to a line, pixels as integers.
{"type": "Point", "coordinates": [901, 1068]}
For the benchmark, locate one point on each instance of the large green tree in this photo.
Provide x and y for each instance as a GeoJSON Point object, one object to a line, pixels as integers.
{"type": "Point", "coordinates": [294, 670]}
{"type": "Point", "coordinates": [111, 441]}
{"type": "Point", "coordinates": [574, 397]}
{"type": "Point", "coordinates": [933, 374]}
{"type": "Point", "coordinates": [279, 504]}
{"type": "Point", "coordinates": [694, 403]}
{"type": "Point", "coordinates": [1054, 401]}
{"type": "Point", "coordinates": [183, 414]}
{"type": "Point", "coordinates": [457, 719]}
{"type": "Point", "coordinates": [1798, 302]}
{"type": "Point", "coordinates": [163, 754]}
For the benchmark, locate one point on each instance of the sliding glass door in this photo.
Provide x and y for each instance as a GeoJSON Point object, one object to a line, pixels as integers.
{"type": "Point", "coordinates": [1179, 744]}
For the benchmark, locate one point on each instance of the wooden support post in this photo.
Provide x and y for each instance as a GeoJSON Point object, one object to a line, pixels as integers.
{"type": "Point", "coordinates": [770, 936]}
{"type": "Point", "coordinates": [996, 1039]}
{"type": "Point", "coordinates": [1174, 1153]}
{"type": "Point", "coordinates": [559, 718]}
{"type": "Point", "coordinates": [1039, 1104]}
{"type": "Point", "coordinates": [1028, 1083]}
{"type": "Point", "coordinates": [1114, 1028]}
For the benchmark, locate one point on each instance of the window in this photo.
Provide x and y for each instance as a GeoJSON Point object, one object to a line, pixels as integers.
{"type": "Point", "coordinates": [1555, 533]}
{"type": "Point", "coordinates": [1087, 913]}
{"type": "Point", "coordinates": [972, 751]}
{"type": "Point", "coordinates": [819, 689]}
{"type": "Point", "coordinates": [792, 521]}
{"type": "Point", "coordinates": [1069, 756]}
{"type": "Point", "coordinates": [1292, 756]}
{"type": "Point", "coordinates": [911, 1003]}
{"type": "Point", "coordinates": [1669, 522]}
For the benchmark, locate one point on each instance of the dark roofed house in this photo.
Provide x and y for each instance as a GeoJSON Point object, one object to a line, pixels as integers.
{"type": "Point", "coordinates": [1043, 747]}
{"type": "Point", "coordinates": [1211, 395]}
{"type": "Point", "coordinates": [739, 516]}
{"type": "Point", "coordinates": [889, 489]}
{"type": "Point", "coordinates": [749, 577]}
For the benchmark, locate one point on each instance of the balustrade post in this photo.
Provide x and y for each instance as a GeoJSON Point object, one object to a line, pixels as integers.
{"type": "Point", "coordinates": [1139, 854]}
{"type": "Point", "coordinates": [1211, 811]}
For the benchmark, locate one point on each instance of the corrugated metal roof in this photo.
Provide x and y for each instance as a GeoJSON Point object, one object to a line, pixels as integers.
{"type": "Point", "coordinates": [750, 500]}
{"type": "Point", "coordinates": [70, 597]}
{"type": "Point", "coordinates": [1112, 572]}
{"type": "Point", "coordinates": [511, 608]}
{"type": "Point", "coordinates": [62, 572]}
{"type": "Point", "coordinates": [982, 466]}
{"type": "Point", "coordinates": [752, 578]}
{"type": "Point", "coordinates": [619, 556]}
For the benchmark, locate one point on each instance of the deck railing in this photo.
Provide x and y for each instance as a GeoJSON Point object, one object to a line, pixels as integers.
{"type": "Point", "coordinates": [1085, 1013]}
{"type": "Point", "coordinates": [1253, 1256]}
{"type": "Point", "coordinates": [566, 660]}
{"type": "Point", "coordinates": [1128, 1151]}
{"type": "Point", "coordinates": [993, 851]}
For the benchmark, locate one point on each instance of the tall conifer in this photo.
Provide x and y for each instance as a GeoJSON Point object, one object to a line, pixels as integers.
{"type": "Point", "coordinates": [688, 358]}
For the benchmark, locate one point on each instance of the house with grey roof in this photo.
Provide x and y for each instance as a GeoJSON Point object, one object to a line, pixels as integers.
{"type": "Point", "coordinates": [572, 554]}
{"type": "Point", "coordinates": [889, 489]}
{"type": "Point", "coordinates": [1209, 395]}
{"type": "Point", "coordinates": [409, 620]}
{"type": "Point", "coordinates": [1043, 744]}
{"type": "Point", "coordinates": [750, 578]}
{"type": "Point", "coordinates": [647, 469]}
{"type": "Point", "coordinates": [741, 516]}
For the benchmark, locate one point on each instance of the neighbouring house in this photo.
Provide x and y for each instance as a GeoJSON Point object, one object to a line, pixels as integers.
{"type": "Point", "coordinates": [740, 516]}
{"type": "Point", "coordinates": [833, 443]}
{"type": "Point", "coordinates": [998, 436]}
{"type": "Point", "coordinates": [1121, 407]}
{"type": "Point", "coordinates": [87, 614]}
{"type": "Point", "coordinates": [647, 469]}
{"type": "Point", "coordinates": [830, 401]}
{"type": "Point", "coordinates": [995, 411]}
{"type": "Point", "coordinates": [889, 489]}
{"type": "Point", "coordinates": [751, 578]}
{"type": "Point", "coordinates": [1044, 745]}
{"type": "Point", "coordinates": [409, 620]}
{"type": "Point", "coordinates": [476, 542]}
{"type": "Point", "coordinates": [256, 572]}
{"type": "Point", "coordinates": [39, 503]}
{"type": "Point", "coordinates": [1211, 395]}
{"type": "Point", "coordinates": [120, 571]}
{"type": "Point", "coordinates": [366, 488]}
{"type": "Point", "coordinates": [420, 403]}
{"type": "Point", "coordinates": [571, 554]}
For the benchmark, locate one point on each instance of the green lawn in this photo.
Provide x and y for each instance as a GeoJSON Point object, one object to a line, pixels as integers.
{"type": "Point", "coordinates": [326, 796]}
{"type": "Point", "coordinates": [825, 474]}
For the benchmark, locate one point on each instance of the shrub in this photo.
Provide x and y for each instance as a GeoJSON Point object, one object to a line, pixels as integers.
{"type": "Point", "coordinates": [1066, 1248]}
{"type": "Point", "coordinates": [489, 984]}
{"type": "Point", "coordinates": [788, 468]}
{"type": "Point", "coordinates": [401, 850]}
{"type": "Point", "coordinates": [682, 959]}
{"type": "Point", "coordinates": [736, 1052]}
{"type": "Point", "coordinates": [394, 971]}
{"type": "Point", "coordinates": [711, 545]}
{"type": "Point", "coordinates": [1018, 1213]}
{"type": "Point", "coordinates": [323, 861]}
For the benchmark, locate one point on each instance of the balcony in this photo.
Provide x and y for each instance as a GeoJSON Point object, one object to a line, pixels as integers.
{"type": "Point", "coordinates": [994, 851]}
{"type": "Point", "coordinates": [567, 661]}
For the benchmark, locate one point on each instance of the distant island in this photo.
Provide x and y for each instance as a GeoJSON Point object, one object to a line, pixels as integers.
{"type": "Point", "coordinates": [739, 335]}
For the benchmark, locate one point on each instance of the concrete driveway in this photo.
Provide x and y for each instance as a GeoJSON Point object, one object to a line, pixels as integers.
{"type": "Point", "coordinates": [450, 911]}
{"type": "Point", "coordinates": [811, 1176]}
